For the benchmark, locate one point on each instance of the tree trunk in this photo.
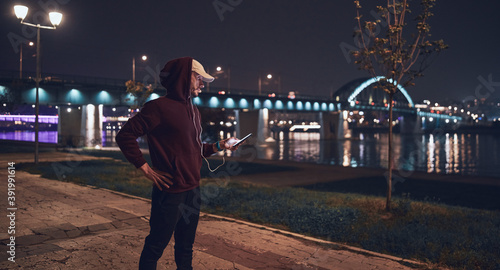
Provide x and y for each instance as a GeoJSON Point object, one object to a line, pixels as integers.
{"type": "Point", "coordinates": [390, 163]}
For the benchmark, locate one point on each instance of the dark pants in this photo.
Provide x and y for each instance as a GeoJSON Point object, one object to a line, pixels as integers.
{"type": "Point", "coordinates": [172, 212]}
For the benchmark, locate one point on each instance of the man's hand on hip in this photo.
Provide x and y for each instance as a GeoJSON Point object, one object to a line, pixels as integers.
{"type": "Point", "coordinates": [160, 179]}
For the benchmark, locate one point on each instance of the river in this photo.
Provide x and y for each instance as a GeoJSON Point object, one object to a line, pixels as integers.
{"type": "Point", "coordinates": [465, 154]}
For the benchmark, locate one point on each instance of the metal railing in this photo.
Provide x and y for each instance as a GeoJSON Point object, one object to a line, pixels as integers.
{"type": "Point", "coordinates": [61, 78]}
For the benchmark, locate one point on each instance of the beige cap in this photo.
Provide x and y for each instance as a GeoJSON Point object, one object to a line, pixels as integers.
{"type": "Point", "coordinates": [198, 68]}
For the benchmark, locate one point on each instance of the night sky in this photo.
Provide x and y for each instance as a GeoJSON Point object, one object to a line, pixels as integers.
{"type": "Point", "coordinates": [299, 40]}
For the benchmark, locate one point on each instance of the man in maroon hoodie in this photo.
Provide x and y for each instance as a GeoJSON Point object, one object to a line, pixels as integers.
{"type": "Point", "coordinates": [173, 128]}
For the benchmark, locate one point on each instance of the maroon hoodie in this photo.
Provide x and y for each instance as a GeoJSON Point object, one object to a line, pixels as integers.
{"type": "Point", "coordinates": [173, 128]}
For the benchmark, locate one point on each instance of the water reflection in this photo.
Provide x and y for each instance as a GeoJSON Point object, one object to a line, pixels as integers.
{"type": "Point", "coordinates": [431, 147]}
{"type": "Point", "coordinates": [302, 147]}
{"type": "Point", "coordinates": [29, 136]}
{"type": "Point", "coordinates": [108, 138]}
{"type": "Point", "coordinates": [456, 152]}
{"type": "Point", "coordinates": [433, 153]}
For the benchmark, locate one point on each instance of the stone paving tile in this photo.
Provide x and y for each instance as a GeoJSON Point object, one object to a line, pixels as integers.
{"type": "Point", "coordinates": [29, 240]}
{"type": "Point", "coordinates": [100, 227]}
{"type": "Point", "coordinates": [40, 249]}
{"type": "Point", "coordinates": [57, 234]}
{"type": "Point", "coordinates": [66, 226]}
{"type": "Point", "coordinates": [118, 224]}
{"type": "Point", "coordinates": [112, 214]}
{"type": "Point", "coordinates": [136, 222]}
{"type": "Point", "coordinates": [73, 233]}
{"type": "Point", "coordinates": [138, 207]}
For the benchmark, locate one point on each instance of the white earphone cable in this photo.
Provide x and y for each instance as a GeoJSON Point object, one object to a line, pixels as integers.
{"type": "Point", "coordinates": [198, 139]}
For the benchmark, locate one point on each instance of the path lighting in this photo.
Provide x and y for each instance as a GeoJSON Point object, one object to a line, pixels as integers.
{"type": "Point", "coordinates": [55, 19]}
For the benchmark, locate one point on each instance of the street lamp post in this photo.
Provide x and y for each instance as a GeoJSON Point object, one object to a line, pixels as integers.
{"type": "Point", "coordinates": [228, 79]}
{"type": "Point", "coordinates": [21, 58]}
{"type": "Point", "coordinates": [144, 58]}
{"type": "Point", "coordinates": [279, 84]}
{"type": "Point", "coordinates": [269, 77]}
{"type": "Point", "coordinates": [55, 19]}
{"type": "Point", "coordinates": [260, 84]}
{"type": "Point", "coordinates": [228, 74]}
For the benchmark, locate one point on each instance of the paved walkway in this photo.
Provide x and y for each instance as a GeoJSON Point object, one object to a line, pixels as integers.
{"type": "Point", "coordinates": [60, 225]}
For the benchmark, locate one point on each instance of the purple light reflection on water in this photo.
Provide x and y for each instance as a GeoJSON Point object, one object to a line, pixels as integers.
{"type": "Point", "coordinates": [50, 119]}
{"type": "Point", "coordinates": [29, 136]}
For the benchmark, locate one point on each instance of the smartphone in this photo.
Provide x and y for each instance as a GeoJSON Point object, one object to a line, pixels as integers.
{"type": "Point", "coordinates": [242, 140]}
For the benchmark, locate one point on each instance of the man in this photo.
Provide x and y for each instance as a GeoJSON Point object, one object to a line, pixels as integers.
{"type": "Point", "coordinates": [173, 129]}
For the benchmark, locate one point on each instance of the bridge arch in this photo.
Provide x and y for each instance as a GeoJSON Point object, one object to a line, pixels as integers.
{"type": "Point", "coordinates": [371, 81]}
{"type": "Point", "coordinates": [350, 91]}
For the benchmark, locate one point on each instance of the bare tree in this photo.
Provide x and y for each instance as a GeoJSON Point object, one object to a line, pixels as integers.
{"type": "Point", "coordinates": [140, 93]}
{"type": "Point", "coordinates": [399, 57]}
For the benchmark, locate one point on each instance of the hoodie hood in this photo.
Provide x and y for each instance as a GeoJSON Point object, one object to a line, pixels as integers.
{"type": "Point", "coordinates": [176, 78]}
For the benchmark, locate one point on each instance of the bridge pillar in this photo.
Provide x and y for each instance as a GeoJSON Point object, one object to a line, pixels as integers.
{"type": "Point", "coordinates": [68, 127]}
{"type": "Point", "coordinates": [410, 124]}
{"type": "Point", "coordinates": [430, 123]}
{"type": "Point", "coordinates": [332, 126]}
{"type": "Point", "coordinates": [91, 125]}
{"type": "Point", "coordinates": [255, 122]}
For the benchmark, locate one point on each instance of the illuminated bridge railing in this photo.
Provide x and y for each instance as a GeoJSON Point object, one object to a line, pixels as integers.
{"type": "Point", "coordinates": [440, 116]}
{"type": "Point", "coordinates": [247, 102]}
{"type": "Point", "coordinates": [49, 119]}
{"type": "Point", "coordinates": [420, 113]}
{"type": "Point", "coordinates": [380, 108]}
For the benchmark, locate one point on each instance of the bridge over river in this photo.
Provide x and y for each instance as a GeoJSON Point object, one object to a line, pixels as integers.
{"type": "Point", "coordinates": [84, 107]}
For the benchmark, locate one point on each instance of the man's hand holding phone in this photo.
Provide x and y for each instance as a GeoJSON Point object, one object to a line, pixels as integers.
{"type": "Point", "coordinates": [233, 143]}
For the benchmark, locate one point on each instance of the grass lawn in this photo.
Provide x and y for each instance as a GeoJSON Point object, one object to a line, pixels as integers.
{"type": "Point", "coordinates": [449, 193]}
{"type": "Point", "coordinates": [458, 237]}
